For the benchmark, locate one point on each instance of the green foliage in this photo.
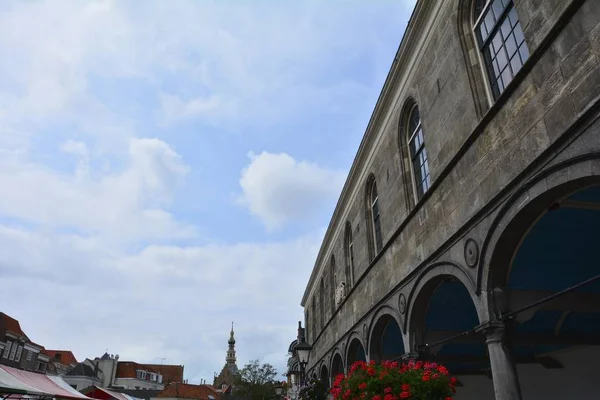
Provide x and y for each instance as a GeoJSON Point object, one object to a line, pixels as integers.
{"type": "Point", "coordinates": [391, 381]}
{"type": "Point", "coordinates": [256, 382]}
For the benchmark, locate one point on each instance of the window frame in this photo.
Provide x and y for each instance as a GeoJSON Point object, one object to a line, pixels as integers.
{"type": "Point", "coordinates": [349, 248]}
{"type": "Point", "coordinates": [375, 217]}
{"type": "Point", "coordinates": [332, 283]}
{"type": "Point", "coordinates": [419, 189]}
{"type": "Point", "coordinates": [485, 47]}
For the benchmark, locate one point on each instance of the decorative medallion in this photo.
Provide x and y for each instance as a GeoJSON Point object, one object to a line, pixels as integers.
{"type": "Point", "coordinates": [471, 252]}
{"type": "Point", "coordinates": [402, 304]}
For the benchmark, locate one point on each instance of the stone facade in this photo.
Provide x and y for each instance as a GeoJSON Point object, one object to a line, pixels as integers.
{"type": "Point", "coordinates": [496, 164]}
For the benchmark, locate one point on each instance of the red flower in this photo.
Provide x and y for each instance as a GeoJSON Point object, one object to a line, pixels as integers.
{"type": "Point", "coordinates": [453, 381]}
{"type": "Point", "coordinates": [425, 378]}
{"type": "Point", "coordinates": [377, 397]}
{"type": "Point", "coordinates": [388, 397]}
{"type": "Point", "coordinates": [404, 395]}
{"type": "Point", "coordinates": [371, 371]}
{"type": "Point", "coordinates": [387, 390]}
{"type": "Point", "coordinates": [362, 386]}
{"type": "Point", "coordinates": [405, 387]}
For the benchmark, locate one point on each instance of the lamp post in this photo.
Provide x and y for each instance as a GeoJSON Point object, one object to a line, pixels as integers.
{"type": "Point", "coordinates": [303, 350]}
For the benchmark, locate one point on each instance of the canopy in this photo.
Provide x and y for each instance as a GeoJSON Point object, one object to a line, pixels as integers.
{"type": "Point", "coordinates": [16, 382]}
{"type": "Point", "coordinates": [104, 393]}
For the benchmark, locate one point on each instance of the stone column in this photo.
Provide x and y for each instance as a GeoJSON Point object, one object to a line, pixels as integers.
{"type": "Point", "coordinates": [504, 373]}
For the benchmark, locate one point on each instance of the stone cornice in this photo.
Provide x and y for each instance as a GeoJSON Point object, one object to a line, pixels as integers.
{"type": "Point", "coordinates": [387, 97]}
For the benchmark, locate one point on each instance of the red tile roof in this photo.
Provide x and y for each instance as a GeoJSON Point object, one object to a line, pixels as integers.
{"type": "Point", "coordinates": [11, 324]}
{"type": "Point", "coordinates": [126, 369]}
{"type": "Point", "coordinates": [187, 391]}
{"type": "Point", "coordinates": [65, 357]}
{"type": "Point", "coordinates": [170, 373]}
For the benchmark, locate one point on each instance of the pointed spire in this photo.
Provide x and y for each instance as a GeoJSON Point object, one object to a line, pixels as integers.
{"type": "Point", "coordinates": [231, 359]}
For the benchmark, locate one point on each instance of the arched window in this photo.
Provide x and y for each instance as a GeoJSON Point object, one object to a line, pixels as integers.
{"type": "Point", "coordinates": [349, 252]}
{"type": "Point", "coordinates": [374, 213]}
{"type": "Point", "coordinates": [500, 40]}
{"type": "Point", "coordinates": [332, 283]}
{"type": "Point", "coordinates": [418, 153]}
{"type": "Point", "coordinates": [313, 323]}
{"type": "Point", "coordinates": [322, 304]}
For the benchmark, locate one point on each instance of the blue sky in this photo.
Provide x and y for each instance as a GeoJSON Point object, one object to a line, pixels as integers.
{"type": "Point", "coordinates": [168, 167]}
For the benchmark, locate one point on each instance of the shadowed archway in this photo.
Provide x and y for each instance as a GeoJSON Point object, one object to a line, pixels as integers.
{"type": "Point", "coordinates": [356, 352]}
{"type": "Point", "coordinates": [324, 376]}
{"type": "Point", "coordinates": [386, 339]}
{"type": "Point", "coordinates": [539, 269]}
{"type": "Point", "coordinates": [337, 366]}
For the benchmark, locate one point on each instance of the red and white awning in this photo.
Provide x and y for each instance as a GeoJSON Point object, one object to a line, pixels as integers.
{"type": "Point", "coordinates": [25, 384]}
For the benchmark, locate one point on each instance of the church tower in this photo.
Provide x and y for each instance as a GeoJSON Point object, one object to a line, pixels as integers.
{"type": "Point", "coordinates": [230, 359]}
{"type": "Point", "coordinates": [230, 371]}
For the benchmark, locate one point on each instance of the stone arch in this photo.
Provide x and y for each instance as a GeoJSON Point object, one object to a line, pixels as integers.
{"type": "Point", "coordinates": [545, 188]}
{"type": "Point", "coordinates": [473, 62]}
{"type": "Point", "coordinates": [543, 243]}
{"type": "Point", "coordinates": [324, 375]}
{"type": "Point", "coordinates": [427, 281]}
{"type": "Point", "coordinates": [355, 350]}
{"type": "Point", "coordinates": [442, 305]}
{"type": "Point", "coordinates": [386, 341]}
{"type": "Point", "coordinates": [337, 364]}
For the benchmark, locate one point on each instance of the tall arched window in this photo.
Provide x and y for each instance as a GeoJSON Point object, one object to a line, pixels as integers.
{"type": "Point", "coordinates": [313, 323]}
{"type": "Point", "coordinates": [375, 216]}
{"type": "Point", "coordinates": [332, 283]}
{"type": "Point", "coordinates": [418, 153]}
{"type": "Point", "coordinates": [349, 253]}
{"type": "Point", "coordinates": [501, 41]}
{"type": "Point", "coordinates": [322, 304]}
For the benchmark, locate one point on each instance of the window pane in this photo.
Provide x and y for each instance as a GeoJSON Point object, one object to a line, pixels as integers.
{"type": "Point", "coordinates": [511, 46]}
{"type": "Point", "coordinates": [512, 16]}
{"type": "Point", "coordinates": [515, 63]}
{"type": "Point", "coordinates": [506, 28]}
{"type": "Point", "coordinates": [502, 60]}
{"type": "Point", "coordinates": [519, 37]}
{"type": "Point", "coordinates": [507, 76]}
{"type": "Point", "coordinates": [489, 20]}
{"type": "Point", "coordinates": [498, 8]}
{"type": "Point", "coordinates": [524, 51]}
{"type": "Point", "coordinates": [496, 43]}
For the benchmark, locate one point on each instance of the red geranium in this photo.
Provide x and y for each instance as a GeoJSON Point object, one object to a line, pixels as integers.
{"type": "Point", "coordinates": [391, 381]}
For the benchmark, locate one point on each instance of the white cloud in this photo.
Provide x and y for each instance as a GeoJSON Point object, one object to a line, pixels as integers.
{"type": "Point", "coordinates": [123, 205]}
{"type": "Point", "coordinates": [164, 301]}
{"type": "Point", "coordinates": [278, 189]}
{"type": "Point", "coordinates": [88, 230]}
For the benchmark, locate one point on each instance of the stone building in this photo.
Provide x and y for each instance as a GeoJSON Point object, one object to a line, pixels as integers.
{"type": "Point", "coordinates": [230, 372]}
{"type": "Point", "coordinates": [465, 232]}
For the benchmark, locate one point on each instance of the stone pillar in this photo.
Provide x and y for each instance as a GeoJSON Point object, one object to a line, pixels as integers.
{"type": "Point", "coordinates": [504, 373]}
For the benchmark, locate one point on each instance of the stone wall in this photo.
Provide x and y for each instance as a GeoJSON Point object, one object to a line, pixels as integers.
{"type": "Point", "coordinates": [472, 159]}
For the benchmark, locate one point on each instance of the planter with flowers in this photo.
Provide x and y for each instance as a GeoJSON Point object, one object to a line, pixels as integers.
{"type": "Point", "coordinates": [414, 380]}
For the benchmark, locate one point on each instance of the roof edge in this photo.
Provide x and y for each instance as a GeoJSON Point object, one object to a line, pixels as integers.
{"type": "Point", "coordinates": [384, 96]}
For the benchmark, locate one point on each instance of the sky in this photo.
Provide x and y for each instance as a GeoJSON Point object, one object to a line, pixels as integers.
{"type": "Point", "coordinates": [168, 167]}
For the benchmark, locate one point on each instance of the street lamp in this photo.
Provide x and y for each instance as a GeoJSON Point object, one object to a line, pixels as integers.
{"type": "Point", "coordinates": [303, 350]}
{"type": "Point", "coordinates": [278, 390]}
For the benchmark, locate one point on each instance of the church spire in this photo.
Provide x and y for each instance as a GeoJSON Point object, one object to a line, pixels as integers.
{"type": "Point", "coordinates": [230, 359]}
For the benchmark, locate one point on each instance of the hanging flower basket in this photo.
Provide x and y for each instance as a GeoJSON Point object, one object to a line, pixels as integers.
{"type": "Point", "coordinates": [414, 380]}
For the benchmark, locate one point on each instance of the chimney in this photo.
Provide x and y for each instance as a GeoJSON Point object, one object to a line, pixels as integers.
{"type": "Point", "coordinates": [301, 337]}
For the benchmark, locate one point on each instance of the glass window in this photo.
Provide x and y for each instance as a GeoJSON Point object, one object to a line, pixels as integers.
{"type": "Point", "coordinates": [349, 256]}
{"type": "Point", "coordinates": [375, 214]}
{"type": "Point", "coordinates": [418, 153]}
{"type": "Point", "coordinates": [501, 41]}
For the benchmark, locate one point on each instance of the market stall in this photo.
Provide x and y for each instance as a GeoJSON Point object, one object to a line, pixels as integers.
{"type": "Point", "coordinates": [17, 384]}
